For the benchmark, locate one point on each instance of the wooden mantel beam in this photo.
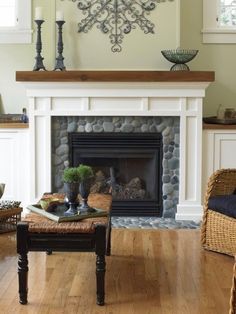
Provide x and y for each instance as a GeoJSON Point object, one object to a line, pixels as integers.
{"type": "Point", "coordinates": [115, 76]}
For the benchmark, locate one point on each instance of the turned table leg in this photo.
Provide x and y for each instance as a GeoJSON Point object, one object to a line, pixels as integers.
{"type": "Point", "coordinates": [100, 249]}
{"type": "Point", "coordinates": [22, 250]}
{"type": "Point", "coordinates": [108, 240]}
{"type": "Point", "coordinates": [23, 278]}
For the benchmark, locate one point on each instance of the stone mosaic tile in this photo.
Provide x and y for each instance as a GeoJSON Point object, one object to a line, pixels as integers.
{"type": "Point", "coordinates": [152, 223]}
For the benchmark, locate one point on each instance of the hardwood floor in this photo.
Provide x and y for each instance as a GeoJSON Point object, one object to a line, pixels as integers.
{"type": "Point", "coordinates": [149, 272]}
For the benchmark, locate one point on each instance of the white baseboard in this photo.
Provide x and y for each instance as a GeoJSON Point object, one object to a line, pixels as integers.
{"type": "Point", "coordinates": [189, 212]}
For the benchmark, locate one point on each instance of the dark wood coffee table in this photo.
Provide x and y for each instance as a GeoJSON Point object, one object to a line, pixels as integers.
{"type": "Point", "coordinates": [37, 233]}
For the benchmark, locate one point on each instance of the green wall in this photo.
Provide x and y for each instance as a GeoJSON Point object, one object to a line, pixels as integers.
{"type": "Point", "coordinates": [18, 57]}
{"type": "Point", "coordinates": [93, 51]}
{"type": "Point", "coordinates": [220, 58]}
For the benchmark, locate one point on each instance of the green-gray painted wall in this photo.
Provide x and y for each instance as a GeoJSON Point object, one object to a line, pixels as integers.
{"type": "Point", "coordinates": [178, 23]}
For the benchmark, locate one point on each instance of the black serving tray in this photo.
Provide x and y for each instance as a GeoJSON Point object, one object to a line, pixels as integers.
{"type": "Point", "coordinates": [58, 214]}
{"type": "Point", "coordinates": [215, 120]}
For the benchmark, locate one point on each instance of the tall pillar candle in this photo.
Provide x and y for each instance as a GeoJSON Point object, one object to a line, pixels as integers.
{"type": "Point", "coordinates": [38, 13]}
{"type": "Point", "coordinates": [59, 16]}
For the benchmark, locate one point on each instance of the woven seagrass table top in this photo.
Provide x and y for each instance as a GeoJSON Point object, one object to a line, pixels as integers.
{"type": "Point", "coordinates": [40, 224]}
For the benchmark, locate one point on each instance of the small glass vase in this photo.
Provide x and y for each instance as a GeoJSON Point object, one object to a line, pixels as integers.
{"type": "Point", "coordinates": [84, 190]}
{"type": "Point", "coordinates": [72, 190]}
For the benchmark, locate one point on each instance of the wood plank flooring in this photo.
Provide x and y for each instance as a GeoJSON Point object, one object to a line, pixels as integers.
{"type": "Point", "coordinates": [149, 272]}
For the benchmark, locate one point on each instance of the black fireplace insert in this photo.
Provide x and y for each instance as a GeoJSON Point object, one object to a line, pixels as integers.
{"type": "Point", "coordinates": [127, 165]}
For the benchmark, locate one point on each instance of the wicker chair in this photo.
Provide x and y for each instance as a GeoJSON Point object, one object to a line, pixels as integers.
{"type": "Point", "coordinates": [218, 232]}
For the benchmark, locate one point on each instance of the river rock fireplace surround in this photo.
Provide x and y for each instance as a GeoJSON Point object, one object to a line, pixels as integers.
{"type": "Point", "coordinates": [124, 94]}
{"type": "Point", "coordinates": [134, 148]}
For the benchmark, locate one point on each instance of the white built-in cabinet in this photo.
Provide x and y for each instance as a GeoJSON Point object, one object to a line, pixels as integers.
{"type": "Point", "coordinates": [14, 164]}
{"type": "Point", "coordinates": [219, 151]}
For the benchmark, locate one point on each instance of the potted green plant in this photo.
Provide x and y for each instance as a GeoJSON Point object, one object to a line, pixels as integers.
{"type": "Point", "coordinates": [71, 180]}
{"type": "Point", "coordinates": [85, 176]}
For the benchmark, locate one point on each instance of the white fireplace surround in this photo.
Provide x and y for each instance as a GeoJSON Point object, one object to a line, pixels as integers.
{"type": "Point", "coordinates": [183, 99]}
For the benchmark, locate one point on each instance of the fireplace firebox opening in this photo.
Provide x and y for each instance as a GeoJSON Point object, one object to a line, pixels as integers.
{"type": "Point", "coordinates": [127, 165]}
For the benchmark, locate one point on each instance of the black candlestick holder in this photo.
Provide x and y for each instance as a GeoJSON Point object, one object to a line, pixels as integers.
{"type": "Point", "coordinates": [39, 59]}
{"type": "Point", "coordinates": [59, 59]}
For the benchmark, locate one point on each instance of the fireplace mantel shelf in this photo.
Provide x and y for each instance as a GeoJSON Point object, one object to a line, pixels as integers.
{"type": "Point", "coordinates": [115, 76]}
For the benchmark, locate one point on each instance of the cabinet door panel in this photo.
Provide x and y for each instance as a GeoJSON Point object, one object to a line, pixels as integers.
{"type": "Point", "coordinates": [8, 171]}
{"type": "Point", "coordinates": [225, 151]}
{"type": "Point", "coordinates": [219, 151]}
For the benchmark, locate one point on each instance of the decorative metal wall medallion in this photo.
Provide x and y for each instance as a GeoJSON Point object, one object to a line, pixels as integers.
{"type": "Point", "coordinates": [117, 17]}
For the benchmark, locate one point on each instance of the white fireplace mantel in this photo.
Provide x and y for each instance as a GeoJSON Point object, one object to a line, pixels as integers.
{"type": "Point", "coordinates": [152, 97]}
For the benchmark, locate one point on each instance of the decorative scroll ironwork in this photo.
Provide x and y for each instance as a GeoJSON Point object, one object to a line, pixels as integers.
{"type": "Point", "coordinates": [117, 17]}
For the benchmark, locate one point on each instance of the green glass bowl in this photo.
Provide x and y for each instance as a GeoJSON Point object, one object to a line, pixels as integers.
{"type": "Point", "coordinates": [180, 57]}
